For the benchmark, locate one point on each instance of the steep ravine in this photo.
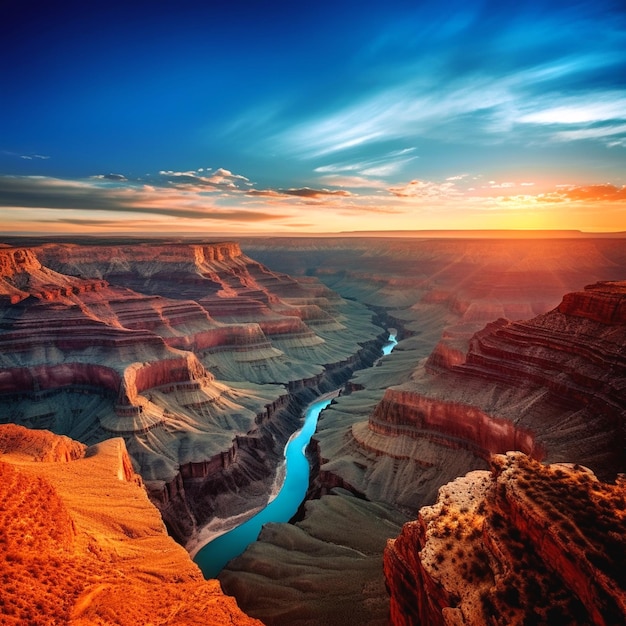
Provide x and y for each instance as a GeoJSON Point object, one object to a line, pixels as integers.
{"type": "Point", "coordinates": [238, 481]}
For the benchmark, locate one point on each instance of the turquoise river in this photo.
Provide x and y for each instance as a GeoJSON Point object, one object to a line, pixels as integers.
{"type": "Point", "coordinates": [212, 557]}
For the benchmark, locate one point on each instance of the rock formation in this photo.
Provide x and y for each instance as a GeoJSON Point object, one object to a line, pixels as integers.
{"type": "Point", "coordinates": [523, 544]}
{"type": "Point", "coordinates": [82, 544]}
{"type": "Point", "coordinates": [459, 386]}
{"type": "Point", "coordinates": [190, 352]}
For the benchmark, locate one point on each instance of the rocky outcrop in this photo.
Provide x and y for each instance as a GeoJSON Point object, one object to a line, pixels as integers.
{"type": "Point", "coordinates": [524, 543]}
{"type": "Point", "coordinates": [39, 445]}
{"type": "Point", "coordinates": [80, 537]}
{"type": "Point", "coordinates": [603, 302]}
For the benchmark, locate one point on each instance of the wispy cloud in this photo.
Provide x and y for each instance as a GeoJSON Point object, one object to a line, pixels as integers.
{"type": "Point", "coordinates": [114, 177]}
{"type": "Point", "coordinates": [424, 189]}
{"type": "Point", "coordinates": [356, 182]}
{"type": "Point", "coordinates": [31, 157]}
{"type": "Point", "coordinates": [52, 193]}
{"type": "Point", "coordinates": [206, 179]}
{"type": "Point", "coordinates": [483, 105]}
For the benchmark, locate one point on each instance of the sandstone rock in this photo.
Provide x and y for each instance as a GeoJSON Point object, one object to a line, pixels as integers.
{"type": "Point", "coordinates": [81, 543]}
{"type": "Point", "coordinates": [522, 544]}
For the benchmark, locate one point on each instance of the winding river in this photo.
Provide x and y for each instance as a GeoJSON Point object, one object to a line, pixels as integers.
{"type": "Point", "coordinates": [214, 555]}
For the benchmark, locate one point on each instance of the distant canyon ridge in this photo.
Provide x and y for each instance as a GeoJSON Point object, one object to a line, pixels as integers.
{"type": "Point", "coordinates": [201, 356]}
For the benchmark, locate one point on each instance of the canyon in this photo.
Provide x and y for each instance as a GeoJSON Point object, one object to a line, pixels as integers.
{"type": "Point", "coordinates": [201, 358]}
{"type": "Point", "coordinates": [204, 397]}
{"type": "Point", "coordinates": [461, 385]}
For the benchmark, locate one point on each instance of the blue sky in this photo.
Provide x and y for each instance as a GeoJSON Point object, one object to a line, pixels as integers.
{"type": "Point", "coordinates": [297, 117]}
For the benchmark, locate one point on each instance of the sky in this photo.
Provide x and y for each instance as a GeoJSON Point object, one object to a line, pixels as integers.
{"type": "Point", "coordinates": [301, 117]}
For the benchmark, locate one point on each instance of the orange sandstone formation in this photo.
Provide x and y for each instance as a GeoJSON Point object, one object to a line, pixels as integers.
{"type": "Point", "coordinates": [81, 544]}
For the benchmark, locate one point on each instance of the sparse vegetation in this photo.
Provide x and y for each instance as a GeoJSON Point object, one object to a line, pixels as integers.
{"type": "Point", "coordinates": [514, 581]}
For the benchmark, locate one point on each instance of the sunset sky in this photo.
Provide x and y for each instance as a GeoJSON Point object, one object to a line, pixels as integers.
{"type": "Point", "coordinates": [290, 117]}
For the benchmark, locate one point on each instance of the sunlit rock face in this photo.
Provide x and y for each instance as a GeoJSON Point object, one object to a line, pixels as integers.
{"type": "Point", "coordinates": [551, 387]}
{"type": "Point", "coordinates": [522, 544]}
{"type": "Point", "coordinates": [82, 544]}
{"type": "Point", "coordinates": [187, 351]}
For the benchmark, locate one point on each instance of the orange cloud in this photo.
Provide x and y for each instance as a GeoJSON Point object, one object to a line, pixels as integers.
{"type": "Point", "coordinates": [424, 189]}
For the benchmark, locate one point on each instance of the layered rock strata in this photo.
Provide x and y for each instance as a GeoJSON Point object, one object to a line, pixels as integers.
{"type": "Point", "coordinates": [552, 387]}
{"type": "Point", "coordinates": [524, 543]}
{"type": "Point", "coordinates": [101, 341]}
{"type": "Point", "coordinates": [80, 538]}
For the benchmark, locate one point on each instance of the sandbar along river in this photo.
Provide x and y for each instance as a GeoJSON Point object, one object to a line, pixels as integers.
{"type": "Point", "coordinates": [214, 555]}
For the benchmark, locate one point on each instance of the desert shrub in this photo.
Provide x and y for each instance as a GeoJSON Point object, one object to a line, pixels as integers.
{"type": "Point", "coordinates": [510, 595]}
{"type": "Point", "coordinates": [479, 569]}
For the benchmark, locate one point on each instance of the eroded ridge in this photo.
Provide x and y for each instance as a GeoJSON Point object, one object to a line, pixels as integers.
{"type": "Point", "coordinates": [522, 544]}
{"type": "Point", "coordinates": [79, 538]}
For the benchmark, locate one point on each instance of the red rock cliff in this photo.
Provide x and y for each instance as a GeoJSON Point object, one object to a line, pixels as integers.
{"type": "Point", "coordinates": [523, 544]}
{"type": "Point", "coordinates": [551, 386]}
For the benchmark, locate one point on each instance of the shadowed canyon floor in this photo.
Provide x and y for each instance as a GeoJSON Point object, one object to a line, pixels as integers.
{"type": "Point", "coordinates": [201, 358]}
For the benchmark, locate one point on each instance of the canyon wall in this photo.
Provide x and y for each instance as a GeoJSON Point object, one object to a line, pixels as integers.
{"type": "Point", "coordinates": [551, 387]}
{"type": "Point", "coordinates": [186, 350]}
{"type": "Point", "coordinates": [463, 382]}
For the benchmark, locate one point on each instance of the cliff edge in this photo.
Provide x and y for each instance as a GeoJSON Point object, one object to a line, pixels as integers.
{"type": "Point", "coordinates": [81, 544]}
{"type": "Point", "coordinates": [522, 544]}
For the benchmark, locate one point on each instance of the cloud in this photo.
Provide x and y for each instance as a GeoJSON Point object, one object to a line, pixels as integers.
{"type": "Point", "coordinates": [587, 193]}
{"type": "Point", "coordinates": [307, 192]}
{"type": "Point", "coordinates": [424, 189]}
{"type": "Point", "coordinates": [302, 192]}
{"type": "Point", "coordinates": [52, 193]}
{"type": "Point", "coordinates": [358, 182]}
{"type": "Point", "coordinates": [31, 157]}
{"type": "Point", "coordinates": [494, 185]}
{"type": "Point", "coordinates": [582, 195]}
{"type": "Point", "coordinates": [202, 179]}
{"type": "Point", "coordinates": [462, 101]}
{"type": "Point", "coordinates": [613, 132]}
{"type": "Point", "coordinates": [587, 109]}
{"type": "Point", "coordinates": [114, 177]}
{"type": "Point", "coordinates": [370, 171]}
